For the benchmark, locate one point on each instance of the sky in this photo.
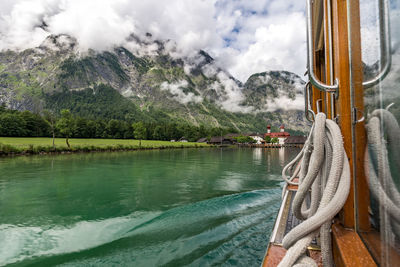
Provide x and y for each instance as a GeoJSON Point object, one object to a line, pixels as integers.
{"type": "Point", "coordinates": [244, 36]}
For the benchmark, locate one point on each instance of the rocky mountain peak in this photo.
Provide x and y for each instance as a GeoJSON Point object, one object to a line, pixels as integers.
{"type": "Point", "coordinates": [152, 76]}
{"type": "Point", "coordinates": [60, 42]}
{"type": "Point", "coordinates": [262, 89]}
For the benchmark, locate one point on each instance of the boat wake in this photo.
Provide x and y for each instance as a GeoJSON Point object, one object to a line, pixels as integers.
{"type": "Point", "coordinates": [231, 229]}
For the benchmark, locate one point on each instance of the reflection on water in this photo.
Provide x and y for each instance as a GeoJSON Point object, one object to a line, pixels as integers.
{"type": "Point", "coordinates": [144, 208]}
{"type": "Point", "coordinates": [282, 156]}
{"type": "Point", "coordinates": [257, 155]}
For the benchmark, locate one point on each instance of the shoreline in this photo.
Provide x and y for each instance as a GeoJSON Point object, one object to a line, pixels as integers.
{"type": "Point", "coordinates": [34, 152]}
{"type": "Point", "coordinates": [17, 148]}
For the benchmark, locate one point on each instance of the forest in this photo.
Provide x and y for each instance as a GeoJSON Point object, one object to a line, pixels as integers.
{"type": "Point", "coordinates": [15, 123]}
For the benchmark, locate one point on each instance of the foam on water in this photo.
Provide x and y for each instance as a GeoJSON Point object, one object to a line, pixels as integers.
{"type": "Point", "coordinates": [220, 230]}
{"type": "Point", "coordinates": [22, 242]}
{"type": "Point", "coordinates": [145, 208]}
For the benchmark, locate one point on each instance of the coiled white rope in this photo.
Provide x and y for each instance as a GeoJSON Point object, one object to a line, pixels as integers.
{"type": "Point", "coordinates": [378, 156]}
{"type": "Point", "coordinates": [325, 170]}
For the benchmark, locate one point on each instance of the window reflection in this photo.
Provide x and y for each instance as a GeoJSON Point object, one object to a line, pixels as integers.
{"type": "Point", "coordinates": [382, 158]}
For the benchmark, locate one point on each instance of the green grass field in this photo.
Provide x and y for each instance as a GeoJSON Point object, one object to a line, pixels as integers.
{"type": "Point", "coordinates": [15, 145]}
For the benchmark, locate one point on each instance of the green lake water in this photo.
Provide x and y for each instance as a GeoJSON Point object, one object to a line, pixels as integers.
{"type": "Point", "coordinates": [196, 207]}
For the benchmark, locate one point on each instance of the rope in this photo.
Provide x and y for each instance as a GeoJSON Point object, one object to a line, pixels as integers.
{"type": "Point", "coordinates": [381, 182]}
{"type": "Point", "coordinates": [325, 170]}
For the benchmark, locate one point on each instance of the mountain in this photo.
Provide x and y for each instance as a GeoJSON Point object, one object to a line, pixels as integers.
{"type": "Point", "coordinates": [149, 81]}
{"type": "Point", "coordinates": [264, 90]}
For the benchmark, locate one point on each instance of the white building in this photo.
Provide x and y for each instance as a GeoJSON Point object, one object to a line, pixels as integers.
{"type": "Point", "coordinates": [258, 138]}
{"type": "Point", "coordinates": [281, 135]}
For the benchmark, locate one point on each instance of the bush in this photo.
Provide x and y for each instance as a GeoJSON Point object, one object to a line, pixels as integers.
{"type": "Point", "coordinates": [8, 149]}
{"type": "Point", "coordinates": [244, 139]}
{"type": "Point", "coordinates": [274, 140]}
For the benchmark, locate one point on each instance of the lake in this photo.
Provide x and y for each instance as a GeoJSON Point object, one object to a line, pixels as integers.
{"type": "Point", "coordinates": [195, 207]}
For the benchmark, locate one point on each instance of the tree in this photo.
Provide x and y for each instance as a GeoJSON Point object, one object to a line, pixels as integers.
{"type": "Point", "coordinates": [139, 131]}
{"type": "Point", "coordinates": [158, 133]}
{"type": "Point", "coordinates": [35, 125]}
{"type": "Point", "coordinates": [274, 140]}
{"type": "Point", "coordinates": [100, 131]}
{"type": "Point", "coordinates": [81, 128]}
{"type": "Point", "coordinates": [91, 129]}
{"type": "Point", "coordinates": [66, 124]}
{"type": "Point", "coordinates": [268, 139]}
{"type": "Point", "coordinates": [11, 124]}
{"type": "Point", "coordinates": [114, 129]}
{"type": "Point", "coordinates": [244, 139]}
{"type": "Point", "coordinates": [50, 118]}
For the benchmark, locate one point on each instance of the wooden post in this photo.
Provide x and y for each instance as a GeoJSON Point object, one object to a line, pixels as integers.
{"type": "Point", "coordinates": [359, 132]}
{"type": "Point", "coordinates": [351, 80]}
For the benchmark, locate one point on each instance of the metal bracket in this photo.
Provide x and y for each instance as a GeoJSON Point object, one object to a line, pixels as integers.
{"type": "Point", "coordinates": [307, 110]}
{"type": "Point", "coordinates": [337, 119]}
{"type": "Point", "coordinates": [389, 106]}
{"type": "Point", "coordinates": [355, 116]}
{"type": "Point", "coordinates": [311, 75]}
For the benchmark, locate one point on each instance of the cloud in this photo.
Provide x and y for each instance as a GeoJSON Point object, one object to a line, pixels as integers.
{"type": "Point", "coordinates": [370, 33]}
{"type": "Point", "coordinates": [278, 46]}
{"type": "Point", "coordinates": [177, 91]}
{"type": "Point", "coordinates": [286, 103]}
{"type": "Point", "coordinates": [230, 94]}
{"type": "Point", "coordinates": [243, 36]}
{"type": "Point", "coordinates": [231, 31]}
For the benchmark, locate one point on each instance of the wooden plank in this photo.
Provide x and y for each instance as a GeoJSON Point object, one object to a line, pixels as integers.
{"type": "Point", "coordinates": [274, 256]}
{"type": "Point", "coordinates": [318, 58]}
{"type": "Point", "coordinates": [380, 250]}
{"type": "Point", "coordinates": [348, 248]}
{"type": "Point", "coordinates": [316, 256]}
{"type": "Point", "coordinates": [276, 253]}
{"type": "Point", "coordinates": [342, 72]}
{"type": "Point", "coordinates": [317, 94]}
{"type": "Point", "coordinates": [328, 59]}
{"type": "Point", "coordinates": [347, 81]}
{"type": "Point", "coordinates": [293, 187]}
{"type": "Point", "coordinates": [360, 142]}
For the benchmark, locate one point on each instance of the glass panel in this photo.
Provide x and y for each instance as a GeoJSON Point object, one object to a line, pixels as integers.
{"type": "Point", "coordinates": [382, 111]}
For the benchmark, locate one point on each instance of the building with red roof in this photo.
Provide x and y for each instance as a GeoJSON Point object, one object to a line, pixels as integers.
{"type": "Point", "coordinates": [281, 135]}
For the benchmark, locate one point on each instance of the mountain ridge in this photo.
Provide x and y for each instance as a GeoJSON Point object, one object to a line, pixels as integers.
{"type": "Point", "coordinates": [193, 89]}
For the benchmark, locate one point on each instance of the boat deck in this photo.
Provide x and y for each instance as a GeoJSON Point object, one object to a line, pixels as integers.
{"type": "Point", "coordinates": [285, 222]}
{"type": "Point", "coordinates": [291, 220]}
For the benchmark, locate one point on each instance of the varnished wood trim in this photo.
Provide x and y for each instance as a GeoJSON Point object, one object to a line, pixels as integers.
{"type": "Point", "coordinates": [342, 72]}
{"type": "Point", "coordinates": [360, 142]}
{"type": "Point", "coordinates": [275, 254]}
{"type": "Point", "coordinates": [328, 59]}
{"type": "Point", "coordinates": [292, 187]}
{"type": "Point", "coordinates": [348, 249]}
{"type": "Point", "coordinates": [379, 250]}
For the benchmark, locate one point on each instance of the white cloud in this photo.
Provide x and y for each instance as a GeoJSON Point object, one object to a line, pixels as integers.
{"type": "Point", "coordinates": [176, 89]}
{"type": "Point", "coordinates": [233, 95]}
{"type": "Point", "coordinates": [286, 103]}
{"type": "Point", "coordinates": [244, 36]}
{"type": "Point", "coordinates": [267, 35]}
{"type": "Point", "coordinates": [231, 31]}
{"type": "Point", "coordinates": [278, 46]}
{"type": "Point", "coordinates": [370, 33]}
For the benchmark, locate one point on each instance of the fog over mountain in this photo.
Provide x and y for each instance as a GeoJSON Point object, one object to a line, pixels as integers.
{"type": "Point", "coordinates": [244, 37]}
{"type": "Point", "coordinates": [216, 62]}
{"type": "Point", "coordinates": [156, 80]}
